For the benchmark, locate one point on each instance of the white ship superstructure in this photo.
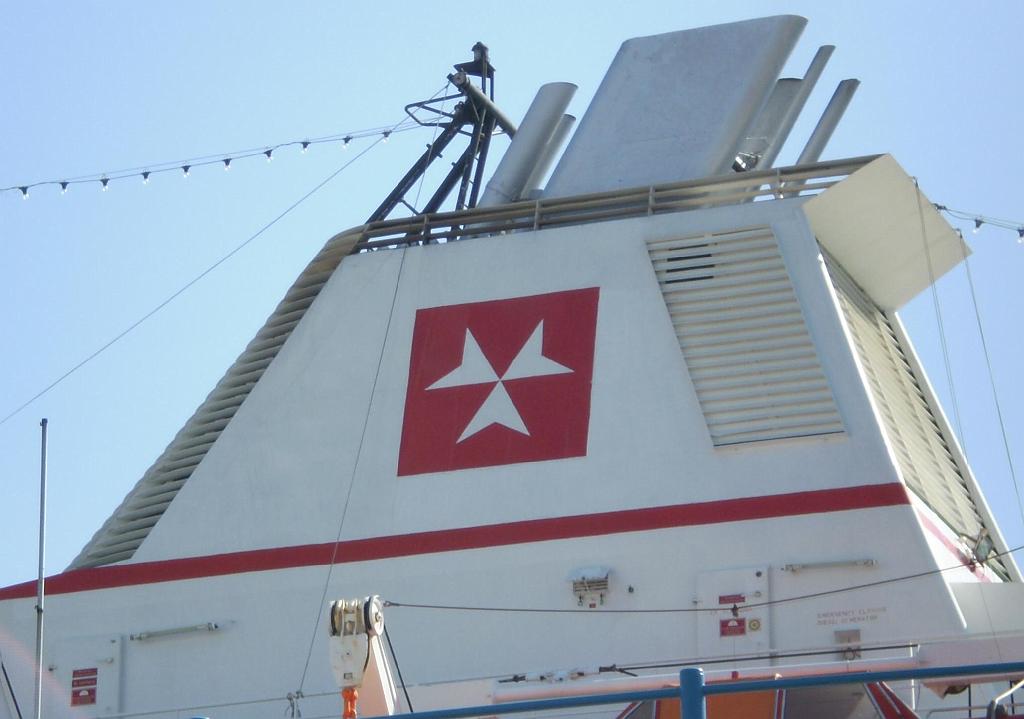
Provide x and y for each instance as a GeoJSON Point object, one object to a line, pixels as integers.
{"type": "Point", "coordinates": [674, 379]}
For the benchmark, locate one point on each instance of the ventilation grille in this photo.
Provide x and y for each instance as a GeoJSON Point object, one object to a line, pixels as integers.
{"type": "Point", "coordinates": [923, 454]}
{"type": "Point", "coordinates": [584, 586]}
{"type": "Point", "coordinates": [131, 523]}
{"type": "Point", "coordinates": [743, 337]}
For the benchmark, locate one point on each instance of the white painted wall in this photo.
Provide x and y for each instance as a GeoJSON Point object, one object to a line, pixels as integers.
{"type": "Point", "coordinates": [268, 618]}
{"type": "Point", "coordinates": [280, 473]}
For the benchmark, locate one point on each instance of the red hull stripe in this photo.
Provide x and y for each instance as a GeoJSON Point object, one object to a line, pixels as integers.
{"type": "Point", "coordinates": [492, 535]}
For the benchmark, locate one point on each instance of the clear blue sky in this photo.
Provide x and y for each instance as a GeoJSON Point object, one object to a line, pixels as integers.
{"type": "Point", "coordinates": [97, 86]}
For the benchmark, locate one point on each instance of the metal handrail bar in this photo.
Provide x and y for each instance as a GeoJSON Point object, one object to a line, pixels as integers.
{"type": "Point", "coordinates": [990, 711]}
{"type": "Point", "coordinates": [635, 201]}
{"type": "Point", "coordinates": [950, 710]}
{"type": "Point", "coordinates": [884, 675]}
{"type": "Point", "coordinates": [538, 705]}
{"type": "Point", "coordinates": [692, 690]}
{"type": "Point", "coordinates": [206, 707]}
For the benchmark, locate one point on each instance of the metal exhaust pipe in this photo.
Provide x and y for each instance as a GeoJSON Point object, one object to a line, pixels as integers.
{"type": "Point", "coordinates": [828, 122]}
{"type": "Point", "coordinates": [527, 148]}
{"type": "Point", "coordinates": [763, 134]}
{"type": "Point", "coordinates": [772, 126]}
{"type": "Point", "coordinates": [533, 187]}
{"type": "Point", "coordinates": [807, 84]}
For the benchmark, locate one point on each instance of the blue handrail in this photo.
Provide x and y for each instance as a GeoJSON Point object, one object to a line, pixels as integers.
{"type": "Point", "coordinates": [692, 690]}
{"type": "Point", "coordinates": [538, 705]}
{"type": "Point", "coordinates": [754, 685]}
{"type": "Point", "coordinates": [690, 698]}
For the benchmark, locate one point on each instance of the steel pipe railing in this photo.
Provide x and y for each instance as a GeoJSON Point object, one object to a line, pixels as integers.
{"type": "Point", "coordinates": [732, 189]}
{"type": "Point", "coordinates": [692, 690]}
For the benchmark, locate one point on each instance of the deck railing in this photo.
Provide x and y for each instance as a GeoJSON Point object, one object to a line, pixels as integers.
{"type": "Point", "coordinates": [731, 189]}
{"type": "Point", "coordinates": [692, 691]}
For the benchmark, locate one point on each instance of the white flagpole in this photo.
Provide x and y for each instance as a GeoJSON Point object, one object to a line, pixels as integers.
{"type": "Point", "coordinates": [40, 580]}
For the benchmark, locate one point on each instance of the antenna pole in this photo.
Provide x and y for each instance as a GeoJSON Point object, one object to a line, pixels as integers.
{"type": "Point", "coordinates": [478, 111]}
{"type": "Point", "coordinates": [40, 580]}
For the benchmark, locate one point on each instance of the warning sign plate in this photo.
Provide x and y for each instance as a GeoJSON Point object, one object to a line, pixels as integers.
{"type": "Point", "coordinates": [735, 627]}
{"type": "Point", "coordinates": [83, 686]}
{"type": "Point", "coordinates": [82, 697]}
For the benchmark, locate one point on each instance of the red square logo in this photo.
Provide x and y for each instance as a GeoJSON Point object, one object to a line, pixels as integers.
{"type": "Point", "coordinates": [499, 382]}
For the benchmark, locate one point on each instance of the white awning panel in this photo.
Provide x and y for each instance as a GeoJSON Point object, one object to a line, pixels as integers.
{"type": "Point", "coordinates": [885, 233]}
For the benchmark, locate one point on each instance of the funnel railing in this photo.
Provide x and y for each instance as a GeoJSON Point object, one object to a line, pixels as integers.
{"type": "Point", "coordinates": [723, 190]}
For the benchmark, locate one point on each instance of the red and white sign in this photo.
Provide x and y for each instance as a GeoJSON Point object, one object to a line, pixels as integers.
{"type": "Point", "coordinates": [732, 598]}
{"type": "Point", "coordinates": [499, 382]}
{"type": "Point", "coordinates": [83, 686]}
{"type": "Point", "coordinates": [735, 627]}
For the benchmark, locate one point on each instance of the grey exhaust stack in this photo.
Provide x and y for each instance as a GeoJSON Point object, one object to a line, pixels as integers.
{"type": "Point", "coordinates": [526, 152]}
{"type": "Point", "coordinates": [828, 122]}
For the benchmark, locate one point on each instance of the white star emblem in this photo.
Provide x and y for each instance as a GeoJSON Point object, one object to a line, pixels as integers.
{"type": "Point", "coordinates": [499, 408]}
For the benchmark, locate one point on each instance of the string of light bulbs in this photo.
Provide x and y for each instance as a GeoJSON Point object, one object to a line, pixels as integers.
{"type": "Point", "coordinates": [981, 220]}
{"type": "Point", "coordinates": [225, 159]}
{"type": "Point", "coordinates": [188, 285]}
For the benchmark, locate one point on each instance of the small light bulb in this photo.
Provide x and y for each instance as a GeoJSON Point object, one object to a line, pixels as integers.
{"type": "Point", "coordinates": [344, 142]}
{"type": "Point", "coordinates": [64, 187]}
{"type": "Point", "coordinates": [227, 164]}
{"type": "Point", "coordinates": [145, 177]}
{"type": "Point", "coordinates": [24, 192]}
{"type": "Point", "coordinates": [386, 134]}
{"type": "Point", "coordinates": [185, 169]}
{"type": "Point", "coordinates": [978, 222]}
{"type": "Point", "coordinates": [305, 146]}
{"type": "Point", "coordinates": [1020, 235]}
{"type": "Point", "coordinates": [269, 154]}
{"type": "Point", "coordinates": [105, 181]}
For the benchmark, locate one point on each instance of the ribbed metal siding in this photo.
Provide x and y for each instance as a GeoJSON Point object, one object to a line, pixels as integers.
{"type": "Point", "coordinates": [923, 454]}
{"type": "Point", "coordinates": [743, 336]}
{"type": "Point", "coordinates": [131, 523]}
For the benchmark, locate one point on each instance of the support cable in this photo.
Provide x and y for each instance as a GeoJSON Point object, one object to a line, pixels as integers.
{"type": "Point", "coordinates": [401, 679]}
{"type": "Point", "coordinates": [695, 610]}
{"type": "Point", "coordinates": [992, 384]}
{"type": "Point", "coordinates": [352, 476]}
{"type": "Point", "coordinates": [980, 220]}
{"type": "Point", "coordinates": [831, 651]}
{"type": "Point", "coordinates": [181, 290]}
{"type": "Point", "coordinates": [433, 139]}
{"type": "Point", "coordinates": [225, 158]}
{"type": "Point", "coordinates": [10, 688]}
{"type": "Point", "coordinates": [425, 160]}
{"type": "Point", "coordinates": [938, 318]}
{"type": "Point", "coordinates": [355, 464]}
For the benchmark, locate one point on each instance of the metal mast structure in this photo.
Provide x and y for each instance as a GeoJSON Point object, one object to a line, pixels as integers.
{"type": "Point", "coordinates": [476, 117]}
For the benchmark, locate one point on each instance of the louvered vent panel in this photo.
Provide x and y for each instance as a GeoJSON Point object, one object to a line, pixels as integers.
{"type": "Point", "coordinates": [743, 337]}
{"type": "Point", "coordinates": [921, 449]}
{"type": "Point", "coordinates": [131, 523]}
